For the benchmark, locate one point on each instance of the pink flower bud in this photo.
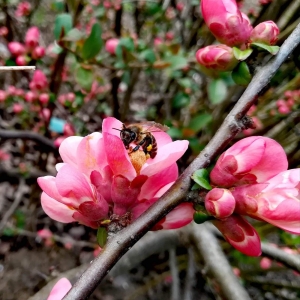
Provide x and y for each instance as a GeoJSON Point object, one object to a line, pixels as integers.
{"type": "Point", "coordinates": [253, 159]}
{"type": "Point", "coordinates": [45, 114]}
{"type": "Point", "coordinates": [216, 57]}
{"type": "Point", "coordinates": [32, 37]}
{"type": "Point", "coordinates": [62, 99]}
{"type": "Point", "coordinates": [226, 22]}
{"type": "Point", "coordinates": [265, 263]}
{"type": "Point", "coordinates": [111, 45]}
{"type": "Point", "coordinates": [4, 155]}
{"type": "Point", "coordinates": [59, 140]}
{"type": "Point", "coordinates": [23, 9]}
{"type": "Point", "coordinates": [290, 102]}
{"type": "Point", "coordinates": [107, 4]}
{"type": "Point", "coordinates": [266, 32]}
{"type": "Point", "coordinates": [220, 203]}
{"type": "Point", "coordinates": [11, 90]}
{"type": "Point", "coordinates": [16, 48]}
{"type": "Point", "coordinates": [284, 109]}
{"type": "Point", "coordinates": [60, 289]}
{"type": "Point", "coordinates": [39, 81]}
{"type": "Point", "coordinates": [44, 98]}
{"type": "Point", "coordinates": [45, 233]}
{"type": "Point", "coordinates": [169, 36]}
{"type": "Point", "coordinates": [69, 130]}
{"type": "Point", "coordinates": [180, 6]}
{"type": "Point", "coordinates": [70, 97]}
{"type": "Point", "coordinates": [30, 96]}
{"type": "Point", "coordinates": [3, 96]}
{"type": "Point", "coordinates": [3, 31]}
{"type": "Point", "coordinates": [19, 93]}
{"type": "Point", "coordinates": [157, 41]}
{"type": "Point", "coordinates": [38, 52]}
{"type": "Point", "coordinates": [236, 272]}
{"type": "Point", "coordinates": [21, 60]}
{"type": "Point", "coordinates": [18, 108]}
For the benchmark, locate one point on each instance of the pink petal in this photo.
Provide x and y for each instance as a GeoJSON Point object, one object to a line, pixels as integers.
{"type": "Point", "coordinates": [157, 181]}
{"type": "Point", "coordinates": [56, 210]}
{"type": "Point", "coordinates": [109, 124]}
{"type": "Point", "coordinates": [60, 289]}
{"type": "Point", "coordinates": [117, 157]}
{"type": "Point", "coordinates": [94, 211]}
{"type": "Point", "coordinates": [103, 183]}
{"type": "Point", "coordinates": [47, 184]}
{"type": "Point", "coordinates": [163, 190]}
{"type": "Point", "coordinates": [240, 234]}
{"type": "Point", "coordinates": [166, 156]}
{"type": "Point", "coordinates": [73, 185]}
{"type": "Point", "coordinates": [68, 148]}
{"type": "Point", "coordinates": [80, 218]}
{"type": "Point", "coordinates": [87, 153]}
{"type": "Point", "coordinates": [180, 216]}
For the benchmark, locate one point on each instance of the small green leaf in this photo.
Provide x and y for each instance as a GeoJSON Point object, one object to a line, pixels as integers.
{"type": "Point", "coordinates": [200, 217]}
{"type": "Point", "coordinates": [101, 236]}
{"type": "Point", "coordinates": [62, 21]}
{"type": "Point", "coordinates": [93, 43]}
{"type": "Point", "coordinates": [74, 35]}
{"type": "Point", "coordinates": [202, 178]}
{"type": "Point", "coordinates": [241, 74]}
{"type": "Point", "coordinates": [175, 133]}
{"type": "Point", "coordinates": [271, 49]}
{"type": "Point", "coordinates": [180, 100]}
{"type": "Point", "coordinates": [148, 55]}
{"type": "Point", "coordinates": [241, 54]}
{"type": "Point", "coordinates": [196, 186]}
{"type": "Point", "coordinates": [199, 122]}
{"type": "Point", "coordinates": [84, 78]}
{"type": "Point", "coordinates": [177, 62]}
{"type": "Point", "coordinates": [217, 91]}
{"type": "Point", "coordinates": [185, 82]}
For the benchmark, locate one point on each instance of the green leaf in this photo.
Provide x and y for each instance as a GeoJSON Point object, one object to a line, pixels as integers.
{"type": "Point", "coordinates": [185, 82]}
{"type": "Point", "coordinates": [217, 91]}
{"type": "Point", "coordinates": [93, 43]}
{"type": "Point", "coordinates": [200, 121]}
{"type": "Point", "coordinates": [271, 49]}
{"type": "Point", "coordinates": [84, 78]}
{"type": "Point", "coordinates": [62, 21]}
{"type": "Point", "coordinates": [74, 35]}
{"type": "Point", "coordinates": [241, 54]}
{"type": "Point", "coordinates": [180, 100]}
{"type": "Point", "coordinates": [200, 217]}
{"type": "Point", "coordinates": [196, 186]}
{"type": "Point", "coordinates": [202, 178]}
{"type": "Point", "coordinates": [148, 55]}
{"type": "Point", "coordinates": [177, 62]}
{"type": "Point", "coordinates": [175, 133]}
{"type": "Point", "coordinates": [241, 74]}
{"type": "Point", "coordinates": [101, 236]}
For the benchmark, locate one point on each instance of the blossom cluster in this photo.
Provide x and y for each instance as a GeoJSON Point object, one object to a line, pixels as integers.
{"type": "Point", "coordinates": [232, 28]}
{"type": "Point", "coordinates": [251, 179]}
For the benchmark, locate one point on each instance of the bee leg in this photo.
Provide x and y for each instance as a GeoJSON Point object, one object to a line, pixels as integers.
{"type": "Point", "coordinates": [136, 148]}
{"type": "Point", "coordinates": [149, 148]}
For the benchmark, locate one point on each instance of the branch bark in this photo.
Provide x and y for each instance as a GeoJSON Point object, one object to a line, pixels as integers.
{"type": "Point", "coordinates": [126, 238]}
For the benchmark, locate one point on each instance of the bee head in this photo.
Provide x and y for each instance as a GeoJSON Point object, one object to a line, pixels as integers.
{"type": "Point", "coordinates": [127, 135]}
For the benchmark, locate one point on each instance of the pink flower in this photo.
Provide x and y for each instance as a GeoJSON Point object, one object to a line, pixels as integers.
{"type": "Point", "coordinates": [265, 263]}
{"type": "Point", "coordinates": [253, 159]}
{"type": "Point", "coordinates": [32, 37]}
{"type": "Point", "coordinates": [276, 201]}
{"type": "Point", "coordinates": [3, 96]}
{"type": "Point", "coordinates": [21, 60]}
{"type": "Point", "coordinates": [240, 234]}
{"type": "Point", "coordinates": [60, 289]}
{"type": "Point", "coordinates": [99, 177]}
{"type": "Point", "coordinates": [220, 203]}
{"type": "Point", "coordinates": [17, 108]}
{"type": "Point", "coordinates": [4, 155]}
{"type": "Point", "coordinates": [38, 52]}
{"type": "Point", "coordinates": [3, 31]}
{"type": "Point", "coordinates": [216, 57]}
{"type": "Point", "coordinates": [39, 81]}
{"type": "Point", "coordinates": [266, 32]}
{"type": "Point", "coordinates": [16, 48]}
{"type": "Point", "coordinates": [31, 96]}
{"type": "Point", "coordinates": [44, 98]}
{"type": "Point", "coordinates": [111, 45]}
{"type": "Point", "coordinates": [23, 9]}
{"type": "Point", "coordinates": [226, 22]}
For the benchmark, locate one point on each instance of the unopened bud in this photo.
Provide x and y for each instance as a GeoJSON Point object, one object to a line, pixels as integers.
{"type": "Point", "coordinates": [266, 33]}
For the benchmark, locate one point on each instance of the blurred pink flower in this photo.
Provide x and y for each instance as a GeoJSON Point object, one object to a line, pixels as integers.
{"type": "Point", "coordinates": [3, 96]}
{"type": "Point", "coordinates": [216, 57]}
{"type": "Point", "coordinates": [266, 32]}
{"type": "Point", "coordinates": [111, 45]}
{"type": "Point", "coordinates": [32, 37]}
{"type": "Point", "coordinates": [38, 52]}
{"type": "Point", "coordinates": [253, 159]}
{"type": "Point", "coordinates": [23, 9]}
{"type": "Point", "coordinates": [60, 289]}
{"type": "Point", "coordinates": [39, 81]}
{"type": "Point", "coordinates": [276, 201]}
{"type": "Point", "coordinates": [16, 48]}
{"type": "Point", "coordinates": [4, 155]}
{"type": "Point", "coordinates": [99, 178]}
{"type": "Point", "coordinates": [18, 108]}
{"type": "Point", "coordinates": [226, 22]}
{"type": "Point", "coordinates": [21, 60]}
{"type": "Point", "coordinates": [265, 263]}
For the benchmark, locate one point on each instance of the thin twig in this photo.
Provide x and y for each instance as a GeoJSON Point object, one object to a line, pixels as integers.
{"type": "Point", "coordinates": [126, 238]}
{"type": "Point", "coordinates": [217, 263]}
{"type": "Point", "coordinates": [22, 68]}
{"type": "Point", "coordinates": [18, 197]}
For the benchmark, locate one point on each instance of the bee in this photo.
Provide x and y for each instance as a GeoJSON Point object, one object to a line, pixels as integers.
{"type": "Point", "coordinates": [141, 135]}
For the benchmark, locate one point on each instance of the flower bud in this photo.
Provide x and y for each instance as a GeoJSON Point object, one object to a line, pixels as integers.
{"type": "Point", "coordinates": [38, 52]}
{"type": "Point", "coordinates": [32, 37]}
{"type": "Point", "coordinates": [16, 48]}
{"type": "Point", "coordinates": [220, 203]}
{"type": "Point", "coordinates": [69, 130]}
{"type": "Point", "coordinates": [3, 31]}
{"type": "Point", "coordinates": [216, 57]}
{"type": "Point", "coordinates": [3, 96]}
{"type": "Point", "coordinates": [23, 9]}
{"type": "Point", "coordinates": [226, 22]}
{"type": "Point", "coordinates": [39, 81]}
{"type": "Point", "coordinates": [111, 45]}
{"type": "Point", "coordinates": [17, 108]}
{"type": "Point", "coordinates": [44, 98]}
{"type": "Point", "coordinates": [21, 60]}
{"type": "Point", "coordinates": [266, 33]}
{"type": "Point", "coordinates": [30, 96]}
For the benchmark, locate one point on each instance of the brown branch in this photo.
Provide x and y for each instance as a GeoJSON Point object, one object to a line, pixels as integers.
{"type": "Point", "coordinates": [126, 238]}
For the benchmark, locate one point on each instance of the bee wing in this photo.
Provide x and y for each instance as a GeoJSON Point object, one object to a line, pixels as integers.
{"type": "Point", "coordinates": [152, 126]}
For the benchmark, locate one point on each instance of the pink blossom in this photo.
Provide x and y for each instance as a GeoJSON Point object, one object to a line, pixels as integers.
{"type": "Point", "coordinates": [44, 98]}
{"type": "Point", "coordinates": [31, 96]}
{"type": "Point", "coordinates": [45, 114]}
{"type": "Point", "coordinates": [39, 81]}
{"type": "Point", "coordinates": [21, 60]}
{"type": "Point", "coordinates": [16, 48]}
{"type": "Point", "coordinates": [69, 129]}
{"type": "Point", "coordinates": [23, 9]}
{"type": "Point", "coordinates": [226, 22]}
{"type": "Point", "coordinates": [266, 32]}
{"type": "Point", "coordinates": [3, 96]}
{"type": "Point", "coordinates": [180, 6]}
{"type": "Point", "coordinates": [45, 233]}
{"type": "Point", "coordinates": [3, 31]}
{"type": "Point", "coordinates": [240, 234]}
{"type": "Point", "coordinates": [58, 141]}
{"type": "Point", "coordinates": [253, 159]}
{"type": "Point", "coordinates": [32, 37]}
{"type": "Point", "coordinates": [38, 52]}
{"type": "Point", "coordinates": [265, 263]}
{"type": "Point", "coordinates": [99, 177]}
{"type": "Point", "coordinates": [111, 45]}
{"type": "Point", "coordinates": [170, 36]}
{"type": "Point", "coordinates": [17, 108]}
{"type": "Point", "coordinates": [60, 289]}
{"type": "Point", "coordinates": [220, 203]}
{"type": "Point", "coordinates": [216, 57]}
{"type": "Point", "coordinates": [4, 155]}
{"type": "Point", "coordinates": [236, 272]}
{"type": "Point", "coordinates": [276, 201]}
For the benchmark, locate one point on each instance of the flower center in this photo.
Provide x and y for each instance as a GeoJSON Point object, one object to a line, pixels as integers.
{"type": "Point", "coordinates": [138, 158]}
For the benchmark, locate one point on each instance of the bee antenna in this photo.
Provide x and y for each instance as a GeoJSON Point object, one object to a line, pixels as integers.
{"type": "Point", "coordinates": [117, 129]}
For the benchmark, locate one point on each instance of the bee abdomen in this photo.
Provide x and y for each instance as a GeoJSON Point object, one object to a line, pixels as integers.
{"type": "Point", "coordinates": [153, 151]}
